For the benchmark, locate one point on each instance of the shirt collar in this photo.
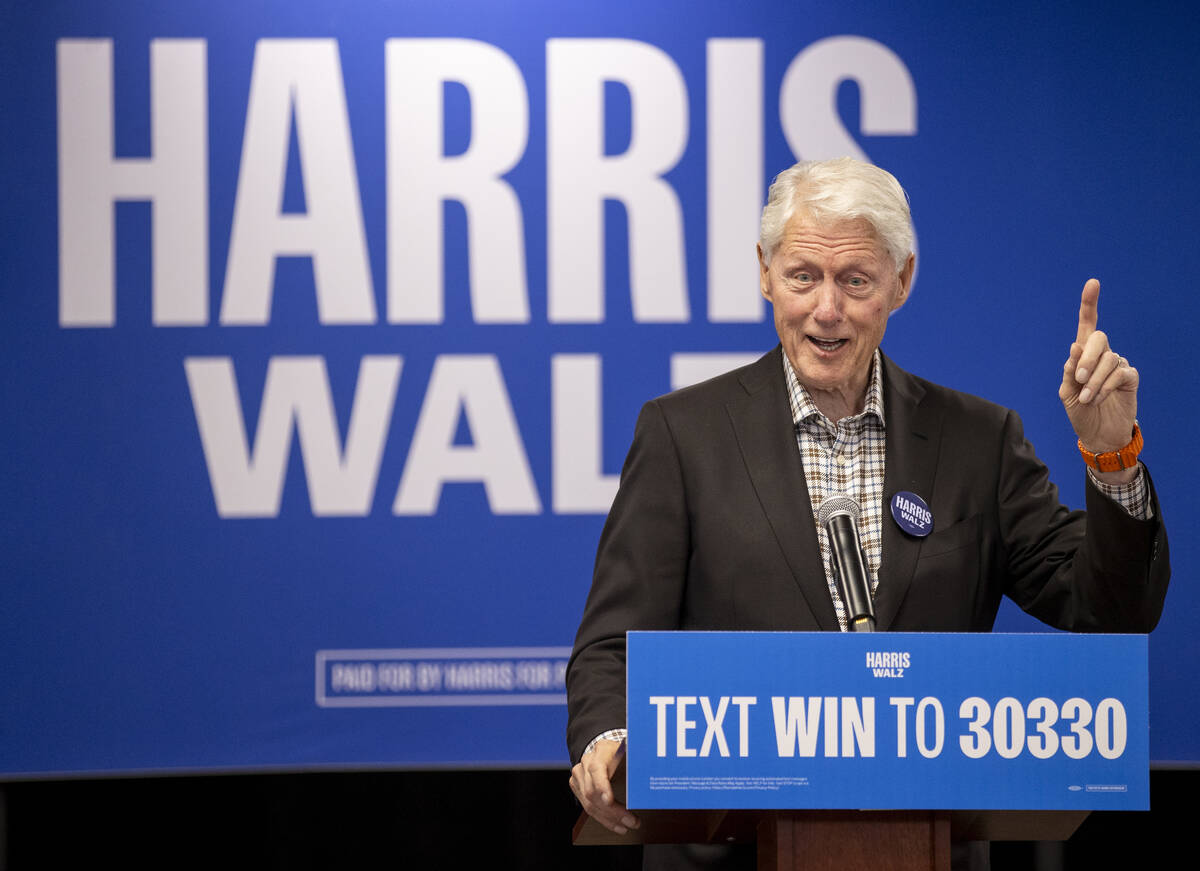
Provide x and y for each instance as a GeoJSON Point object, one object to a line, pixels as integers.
{"type": "Point", "coordinates": [803, 407]}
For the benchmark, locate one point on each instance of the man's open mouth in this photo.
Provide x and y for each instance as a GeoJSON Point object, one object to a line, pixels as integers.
{"type": "Point", "coordinates": [827, 344]}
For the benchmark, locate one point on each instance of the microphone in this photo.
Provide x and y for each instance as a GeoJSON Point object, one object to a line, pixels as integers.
{"type": "Point", "coordinates": [839, 517]}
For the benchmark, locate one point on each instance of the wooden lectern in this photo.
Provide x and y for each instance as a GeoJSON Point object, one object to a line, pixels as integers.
{"type": "Point", "coordinates": [824, 840]}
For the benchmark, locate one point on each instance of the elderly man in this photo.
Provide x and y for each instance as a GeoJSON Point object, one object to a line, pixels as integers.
{"type": "Point", "coordinates": [713, 526]}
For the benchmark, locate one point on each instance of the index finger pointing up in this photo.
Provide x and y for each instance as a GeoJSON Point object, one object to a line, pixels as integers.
{"type": "Point", "coordinates": [1088, 311]}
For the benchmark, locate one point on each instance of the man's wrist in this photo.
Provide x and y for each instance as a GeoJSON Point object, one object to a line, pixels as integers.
{"type": "Point", "coordinates": [1121, 459]}
{"type": "Point", "coordinates": [610, 735]}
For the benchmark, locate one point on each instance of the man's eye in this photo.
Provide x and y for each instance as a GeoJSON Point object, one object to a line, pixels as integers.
{"type": "Point", "coordinates": [803, 277]}
{"type": "Point", "coordinates": [857, 281]}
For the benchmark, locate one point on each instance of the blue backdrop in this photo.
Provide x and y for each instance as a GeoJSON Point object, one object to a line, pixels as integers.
{"type": "Point", "coordinates": [325, 326]}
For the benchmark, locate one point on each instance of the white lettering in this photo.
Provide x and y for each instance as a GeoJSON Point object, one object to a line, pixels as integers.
{"type": "Point", "coordinates": [580, 485]}
{"type": "Point", "coordinates": [297, 390]}
{"type": "Point", "coordinates": [91, 179]}
{"type": "Point", "coordinates": [808, 96]}
{"type": "Point", "coordinates": [1044, 743]}
{"type": "Point", "coordinates": [928, 750]}
{"type": "Point", "coordinates": [429, 676]}
{"type": "Point", "coordinates": [359, 677]}
{"type": "Point", "coordinates": [421, 176]}
{"type": "Point", "coordinates": [1079, 743]}
{"type": "Point", "coordinates": [473, 386]}
{"type": "Point", "coordinates": [661, 703]}
{"type": "Point", "coordinates": [1008, 727]}
{"type": "Point", "coordinates": [858, 726]}
{"type": "Point", "coordinates": [979, 712]}
{"type": "Point", "coordinates": [712, 725]}
{"type": "Point", "coordinates": [580, 177]}
{"type": "Point", "coordinates": [683, 725]}
{"type": "Point", "coordinates": [304, 77]}
{"type": "Point", "coordinates": [735, 177]}
{"type": "Point", "coordinates": [396, 677]}
{"type": "Point", "coordinates": [1111, 730]}
{"type": "Point", "coordinates": [743, 703]}
{"type": "Point", "coordinates": [796, 725]}
{"type": "Point", "coordinates": [901, 704]}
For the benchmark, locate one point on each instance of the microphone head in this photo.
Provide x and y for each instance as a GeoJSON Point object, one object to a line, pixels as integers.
{"type": "Point", "coordinates": [835, 505]}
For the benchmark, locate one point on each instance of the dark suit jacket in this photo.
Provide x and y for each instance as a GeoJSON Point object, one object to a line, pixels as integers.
{"type": "Point", "coordinates": [712, 528]}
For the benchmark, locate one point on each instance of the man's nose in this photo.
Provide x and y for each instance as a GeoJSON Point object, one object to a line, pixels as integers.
{"type": "Point", "coordinates": [829, 303]}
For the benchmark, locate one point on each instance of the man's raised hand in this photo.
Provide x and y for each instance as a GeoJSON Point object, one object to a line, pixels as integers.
{"type": "Point", "coordinates": [1099, 387]}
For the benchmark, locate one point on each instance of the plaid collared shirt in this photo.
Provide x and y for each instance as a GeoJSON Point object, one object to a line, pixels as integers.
{"type": "Point", "coordinates": [844, 459]}
{"type": "Point", "coordinates": [847, 458]}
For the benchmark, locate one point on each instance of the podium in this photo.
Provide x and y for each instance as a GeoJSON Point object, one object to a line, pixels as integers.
{"type": "Point", "coordinates": [843, 751]}
{"type": "Point", "coordinates": [846, 840]}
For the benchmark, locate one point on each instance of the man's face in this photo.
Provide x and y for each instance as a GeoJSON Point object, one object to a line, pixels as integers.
{"type": "Point", "coordinates": [833, 287]}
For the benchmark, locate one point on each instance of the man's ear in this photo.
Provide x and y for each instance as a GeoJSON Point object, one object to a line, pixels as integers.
{"type": "Point", "coordinates": [763, 284]}
{"type": "Point", "coordinates": [906, 276]}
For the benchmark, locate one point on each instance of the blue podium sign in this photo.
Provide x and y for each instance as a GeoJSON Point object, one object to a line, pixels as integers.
{"type": "Point", "coordinates": [887, 720]}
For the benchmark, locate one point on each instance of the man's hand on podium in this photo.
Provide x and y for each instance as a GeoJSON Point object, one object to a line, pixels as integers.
{"type": "Point", "coordinates": [590, 783]}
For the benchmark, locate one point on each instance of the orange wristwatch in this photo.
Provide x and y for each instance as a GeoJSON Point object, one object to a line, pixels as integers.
{"type": "Point", "coordinates": [1115, 461]}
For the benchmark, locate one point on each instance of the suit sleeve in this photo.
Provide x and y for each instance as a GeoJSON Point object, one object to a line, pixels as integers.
{"type": "Point", "coordinates": [638, 582]}
{"type": "Point", "coordinates": [1102, 571]}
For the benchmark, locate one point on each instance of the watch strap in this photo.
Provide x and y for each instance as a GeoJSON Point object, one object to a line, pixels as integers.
{"type": "Point", "coordinates": [1115, 461]}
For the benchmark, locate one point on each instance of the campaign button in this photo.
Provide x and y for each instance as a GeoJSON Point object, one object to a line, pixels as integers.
{"type": "Point", "coordinates": [912, 514]}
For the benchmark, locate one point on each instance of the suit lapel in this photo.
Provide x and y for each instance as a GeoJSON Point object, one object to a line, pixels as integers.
{"type": "Point", "coordinates": [914, 431]}
{"type": "Point", "coordinates": [762, 422]}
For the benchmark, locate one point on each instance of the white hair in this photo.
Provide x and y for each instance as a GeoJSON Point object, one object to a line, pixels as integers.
{"type": "Point", "coordinates": [842, 189]}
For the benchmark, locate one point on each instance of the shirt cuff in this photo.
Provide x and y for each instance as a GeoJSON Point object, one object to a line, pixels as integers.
{"type": "Point", "coordinates": [1134, 497]}
{"type": "Point", "coordinates": [610, 735]}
